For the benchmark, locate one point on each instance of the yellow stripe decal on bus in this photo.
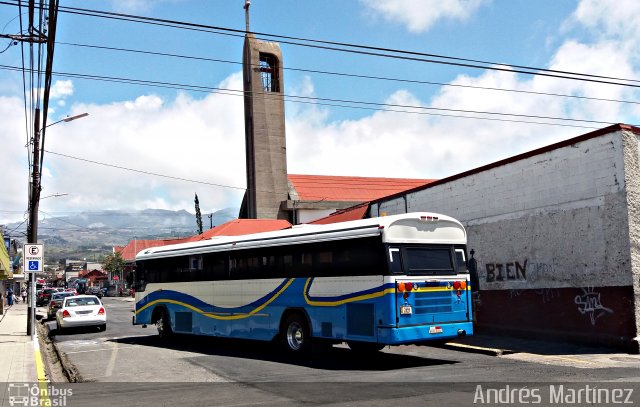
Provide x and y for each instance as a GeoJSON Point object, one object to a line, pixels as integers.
{"type": "Point", "coordinates": [216, 315]}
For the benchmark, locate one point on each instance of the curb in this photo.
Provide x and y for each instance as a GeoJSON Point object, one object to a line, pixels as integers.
{"type": "Point", "coordinates": [477, 349]}
{"type": "Point", "coordinates": [4, 311]}
{"type": "Point", "coordinates": [69, 371]}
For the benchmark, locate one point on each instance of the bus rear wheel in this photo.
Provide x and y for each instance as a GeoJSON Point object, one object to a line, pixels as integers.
{"type": "Point", "coordinates": [163, 325]}
{"type": "Point", "coordinates": [296, 336]}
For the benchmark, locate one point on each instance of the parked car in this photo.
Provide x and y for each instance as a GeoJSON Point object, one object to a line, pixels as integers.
{"type": "Point", "coordinates": [112, 291]}
{"type": "Point", "coordinates": [56, 302]}
{"type": "Point", "coordinates": [81, 310]}
{"type": "Point", "coordinates": [45, 296]}
{"type": "Point", "coordinates": [94, 291]}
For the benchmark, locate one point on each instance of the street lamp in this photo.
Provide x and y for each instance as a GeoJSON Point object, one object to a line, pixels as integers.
{"type": "Point", "coordinates": [34, 201]}
{"type": "Point", "coordinates": [57, 194]}
{"type": "Point", "coordinates": [36, 187]}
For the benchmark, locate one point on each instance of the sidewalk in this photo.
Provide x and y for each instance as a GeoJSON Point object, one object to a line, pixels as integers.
{"type": "Point", "coordinates": [498, 345]}
{"type": "Point", "coordinates": [18, 352]}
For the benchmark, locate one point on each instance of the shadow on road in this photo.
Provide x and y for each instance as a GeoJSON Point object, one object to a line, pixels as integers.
{"type": "Point", "coordinates": [324, 357]}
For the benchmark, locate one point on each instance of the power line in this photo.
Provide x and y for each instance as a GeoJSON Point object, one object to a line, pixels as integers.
{"type": "Point", "coordinates": [145, 172]}
{"type": "Point", "coordinates": [176, 178]}
{"type": "Point", "coordinates": [345, 103]}
{"type": "Point", "coordinates": [332, 101]}
{"type": "Point", "coordinates": [350, 75]}
{"type": "Point", "coordinates": [331, 45]}
{"type": "Point", "coordinates": [358, 48]}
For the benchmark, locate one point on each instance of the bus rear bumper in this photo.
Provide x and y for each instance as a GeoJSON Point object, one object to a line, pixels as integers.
{"type": "Point", "coordinates": [422, 333]}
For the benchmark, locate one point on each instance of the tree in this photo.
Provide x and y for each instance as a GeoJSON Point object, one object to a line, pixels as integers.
{"type": "Point", "coordinates": [113, 263]}
{"type": "Point", "coordinates": [198, 215]}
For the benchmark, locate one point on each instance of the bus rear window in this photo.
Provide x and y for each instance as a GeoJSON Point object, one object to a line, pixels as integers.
{"type": "Point", "coordinates": [428, 261]}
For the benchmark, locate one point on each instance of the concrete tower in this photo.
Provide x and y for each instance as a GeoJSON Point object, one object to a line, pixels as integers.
{"type": "Point", "coordinates": [265, 136]}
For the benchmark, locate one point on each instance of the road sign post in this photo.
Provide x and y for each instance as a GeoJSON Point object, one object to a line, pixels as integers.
{"type": "Point", "coordinates": [33, 262]}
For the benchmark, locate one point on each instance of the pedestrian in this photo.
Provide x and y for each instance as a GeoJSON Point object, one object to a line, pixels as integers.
{"type": "Point", "coordinates": [24, 295]}
{"type": "Point", "coordinates": [9, 297]}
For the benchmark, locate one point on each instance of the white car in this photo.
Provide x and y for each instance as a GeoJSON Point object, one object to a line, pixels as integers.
{"type": "Point", "coordinates": [81, 310]}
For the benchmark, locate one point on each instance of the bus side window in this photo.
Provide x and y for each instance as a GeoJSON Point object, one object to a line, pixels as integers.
{"type": "Point", "coordinates": [287, 265]}
{"type": "Point", "coordinates": [395, 260]}
{"type": "Point", "coordinates": [461, 260]}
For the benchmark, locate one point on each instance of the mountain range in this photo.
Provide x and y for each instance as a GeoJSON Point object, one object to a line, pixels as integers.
{"type": "Point", "coordinates": [92, 234]}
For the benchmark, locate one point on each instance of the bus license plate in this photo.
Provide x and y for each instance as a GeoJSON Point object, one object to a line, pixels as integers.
{"type": "Point", "coordinates": [406, 310]}
{"type": "Point", "coordinates": [435, 330]}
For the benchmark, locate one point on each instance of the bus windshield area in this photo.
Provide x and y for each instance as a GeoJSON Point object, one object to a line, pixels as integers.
{"type": "Point", "coordinates": [427, 260]}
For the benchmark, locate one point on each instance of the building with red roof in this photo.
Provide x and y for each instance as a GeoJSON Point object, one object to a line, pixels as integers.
{"type": "Point", "coordinates": [312, 197]}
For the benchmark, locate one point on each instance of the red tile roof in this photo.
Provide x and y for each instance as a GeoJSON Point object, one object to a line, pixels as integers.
{"type": "Point", "coordinates": [239, 227]}
{"type": "Point", "coordinates": [353, 213]}
{"type": "Point", "coordinates": [234, 227]}
{"type": "Point", "coordinates": [358, 189]}
{"type": "Point", "coordinates": [132, 248]}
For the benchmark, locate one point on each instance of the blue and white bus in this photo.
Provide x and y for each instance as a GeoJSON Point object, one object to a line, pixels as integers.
{"type": "Point", "coordinates": [390, 280]}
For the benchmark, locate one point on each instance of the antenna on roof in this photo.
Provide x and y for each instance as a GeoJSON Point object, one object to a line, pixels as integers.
{"type": "Point", "coordinates": [247, 3]}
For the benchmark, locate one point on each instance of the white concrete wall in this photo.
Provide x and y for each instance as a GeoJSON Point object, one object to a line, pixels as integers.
{"type": "Point", "coordinates": [632, 180]}
{"type": "Point", "coordinates": [557, 219]}
{"type": "Point", "coordinates": [309, 215]}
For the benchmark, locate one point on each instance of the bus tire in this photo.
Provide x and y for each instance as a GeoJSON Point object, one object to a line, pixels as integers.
{"type": "Point", "coordinates": [163, 325]}
{"type": "Point", "coordinates": [296, 336]}
{"type": "Point", "coordinates": [365, 347]}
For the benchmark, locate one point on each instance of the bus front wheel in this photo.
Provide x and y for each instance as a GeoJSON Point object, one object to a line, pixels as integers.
{"type": "Point", "coordinates": [296, 335]}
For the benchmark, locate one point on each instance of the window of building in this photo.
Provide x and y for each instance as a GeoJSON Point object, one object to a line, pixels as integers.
{"type": "Point", "coordinates": [269, 73]}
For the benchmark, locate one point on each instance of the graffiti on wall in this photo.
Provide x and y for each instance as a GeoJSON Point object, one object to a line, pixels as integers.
{"type": "Point", "coordinates": [589, 304]}
{"type": "Point", "coordinates": [548, 294]}
{"type": "Point", "coordinates": [506, 271]}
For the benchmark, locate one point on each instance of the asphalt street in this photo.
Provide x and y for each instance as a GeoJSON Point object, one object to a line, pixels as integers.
{"type": "Point", "coordinates": [130, 364]}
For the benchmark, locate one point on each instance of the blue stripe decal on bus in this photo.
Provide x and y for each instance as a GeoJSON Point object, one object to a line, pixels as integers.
{"type": "Point", "coordinates": [209, 310]}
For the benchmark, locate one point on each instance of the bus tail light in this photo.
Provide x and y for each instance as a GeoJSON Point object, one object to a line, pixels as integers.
{"type": "Point", "coordinates": [463, 285]}
{"type": "Point", "coordinates": [401, 287]}
{"type": "Point", "coordinates": [65, 314]}
{"type": "Point", "coordinates": [408, 286]}
{"type": "Point", "coordinates": [456, 285]}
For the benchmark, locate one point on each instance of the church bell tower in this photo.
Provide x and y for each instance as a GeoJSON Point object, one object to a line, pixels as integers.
{"type": "Point", "coordinates": [266, 151]}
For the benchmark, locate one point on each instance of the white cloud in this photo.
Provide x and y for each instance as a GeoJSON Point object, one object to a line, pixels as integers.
{"type": "Point", "coordinates": [420, 15]}
{"type": "Point", "coordinates": [61, 89]}
{"type": "Point", "coordinates": [187, 138]}
{"type": "Point", "coordinates": [431, 146]}
{"type": "Point", "coordinates": [610, 18]}
{"type": "Point", "coordinates": [15, 173]}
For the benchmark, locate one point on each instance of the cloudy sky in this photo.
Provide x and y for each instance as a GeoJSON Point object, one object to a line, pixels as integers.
{"type": "Point", "coordinates": [155, 145]}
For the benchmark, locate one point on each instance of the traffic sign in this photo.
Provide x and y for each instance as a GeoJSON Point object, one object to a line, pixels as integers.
{"type": "Point", "coordinates": [33, 258]}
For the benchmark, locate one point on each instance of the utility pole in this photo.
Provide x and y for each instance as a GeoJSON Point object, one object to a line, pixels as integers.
{"type": "Point", "coordinates": [210, 220]}
{"type": "Point", "coordinates": [32, 227]}
{"type": "Point", "coordinates": [39, 131]}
